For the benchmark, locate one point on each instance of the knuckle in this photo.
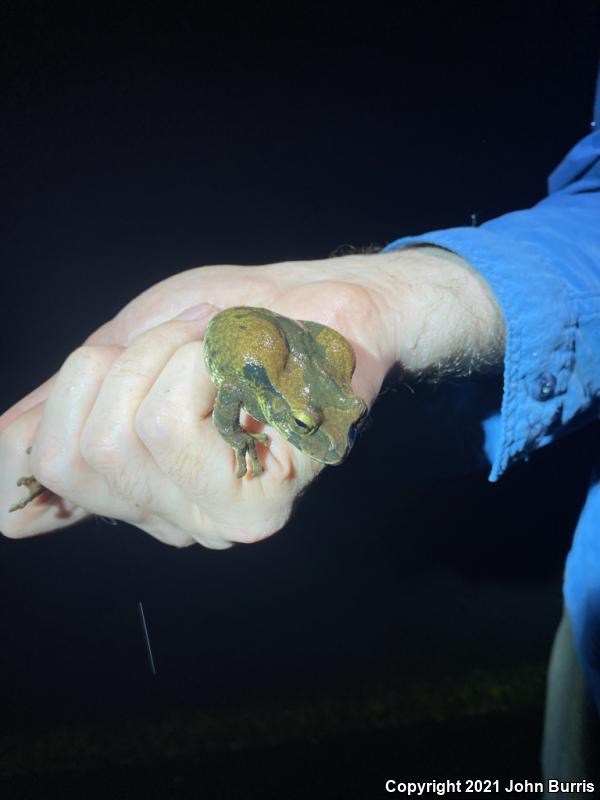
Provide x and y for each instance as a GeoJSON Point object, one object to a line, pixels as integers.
{"type": "Point", "coordinates": [349, 301]}
{"type": "Point", "coordinates": [156, 338]}
{"type": "Point", "coordinates": [87, 357]}
{"type": "Point", "coordinates": [83, 353]}
{"type": "Point", "coordinates": [99, 450]}
{"type": "Point", "coordinates": [151, 425]}
{"type": "Point", "coordinates": [127, 366]}
{"type": "Point", "coordinates": [135, 362]}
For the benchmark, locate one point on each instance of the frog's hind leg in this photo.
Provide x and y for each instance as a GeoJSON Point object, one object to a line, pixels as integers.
{"type": "Point", "coordinates": [226, 417]}
{"type": "Point", "coordinates": [335, 351]}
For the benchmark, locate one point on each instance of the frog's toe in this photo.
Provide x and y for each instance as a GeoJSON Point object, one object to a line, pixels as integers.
{"type": "Point", "coordinates": [240, 460]}
{"type": "Point", "coordinates": [252, 455]}
{"type": "Point", "coordinates": [247, 450]}
{"type": "Point", "coordinates": [257, 467]}
{"type": "Point", "coordinates": [35, 490]}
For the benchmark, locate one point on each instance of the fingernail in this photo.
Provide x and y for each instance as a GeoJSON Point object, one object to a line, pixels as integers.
{"type": "Point", "coordinates": [199, 312]}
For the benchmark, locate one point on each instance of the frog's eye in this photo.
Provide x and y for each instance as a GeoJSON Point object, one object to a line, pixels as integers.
{"type": "Point", "coordinates": [304, 423]}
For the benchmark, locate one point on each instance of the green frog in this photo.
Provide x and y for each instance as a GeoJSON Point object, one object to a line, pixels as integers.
{"type": "Point", "coordinates": [291, 374]}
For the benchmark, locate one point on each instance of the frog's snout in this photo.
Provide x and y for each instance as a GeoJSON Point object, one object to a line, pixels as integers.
{"type": "Point", "coordinates": [338, 453]}
{"type": "Point", "coordinates": [356, 428]}
{"type": "Point", "coordinates": [352, 435]}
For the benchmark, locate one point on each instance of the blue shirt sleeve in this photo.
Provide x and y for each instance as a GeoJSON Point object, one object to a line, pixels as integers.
{"type": "Point", "coordinates": [543, 265]}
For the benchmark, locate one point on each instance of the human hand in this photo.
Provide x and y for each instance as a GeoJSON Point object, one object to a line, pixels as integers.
{"type": "Point", "coordinates": [124, 429]}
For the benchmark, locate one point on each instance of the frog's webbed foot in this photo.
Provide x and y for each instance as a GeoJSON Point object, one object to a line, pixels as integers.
{"type": "Point", "coordinates": [248, 446]}
{"type": "Point", "coordinates": [35, 490]}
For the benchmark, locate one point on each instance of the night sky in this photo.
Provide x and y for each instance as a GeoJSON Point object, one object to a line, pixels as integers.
{"type": "Point", "coordinates": [137, 143]}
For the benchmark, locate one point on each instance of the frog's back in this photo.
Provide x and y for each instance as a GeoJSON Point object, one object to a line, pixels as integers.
{"type": "Point", "coordinates": [242, 336]}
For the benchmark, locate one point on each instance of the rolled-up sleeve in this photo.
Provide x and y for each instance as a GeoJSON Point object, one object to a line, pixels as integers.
{"type": "Point", "coordinates": [543, 265]}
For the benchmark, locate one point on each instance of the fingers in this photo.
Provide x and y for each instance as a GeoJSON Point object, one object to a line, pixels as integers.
{"type": "Point", "coordinates": [86, 448]}
{"type": "Point", "coordinates": [46, 514]}
{"type": "Point", "coordinates": [110, 444]}
{"type": "Point", "coordinates": [56, 454]}
{"type": "Point", "coordinates": [175, 424]}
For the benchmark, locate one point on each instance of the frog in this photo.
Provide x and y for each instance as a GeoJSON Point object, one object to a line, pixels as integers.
{"type": "Point", "coordinates": [293, 375]}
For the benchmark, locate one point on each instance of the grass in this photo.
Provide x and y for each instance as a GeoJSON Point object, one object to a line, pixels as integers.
{"type": "Point", "coordinates": [184, 733]}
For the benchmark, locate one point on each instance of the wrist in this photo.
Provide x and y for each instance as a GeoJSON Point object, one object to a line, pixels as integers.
{"type": "Point", "coordinates": [441, 316]}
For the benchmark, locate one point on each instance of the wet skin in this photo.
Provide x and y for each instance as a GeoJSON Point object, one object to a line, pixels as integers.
{"type": "Point", "coordinates": [291, 374]}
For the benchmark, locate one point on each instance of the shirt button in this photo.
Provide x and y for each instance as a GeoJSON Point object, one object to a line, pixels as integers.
{"type": "Point", "coordinates": [544, 386]}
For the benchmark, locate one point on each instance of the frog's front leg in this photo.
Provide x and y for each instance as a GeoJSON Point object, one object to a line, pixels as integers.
{"type": "Point", "coordinates": [35, 489]}
{"type": "Point", "coordinates": [226, 417]}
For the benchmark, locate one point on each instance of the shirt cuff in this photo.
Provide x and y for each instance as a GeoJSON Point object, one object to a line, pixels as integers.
{"type": "Point", "coordinates": [541, 320]}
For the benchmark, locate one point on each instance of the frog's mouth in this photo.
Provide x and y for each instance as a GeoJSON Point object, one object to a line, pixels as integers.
{"type": "Point", "coordinates": [332, 442]}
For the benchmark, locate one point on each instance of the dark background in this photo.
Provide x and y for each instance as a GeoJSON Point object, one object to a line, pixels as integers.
{"type": "Point", "coordinates": [139, 142]}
